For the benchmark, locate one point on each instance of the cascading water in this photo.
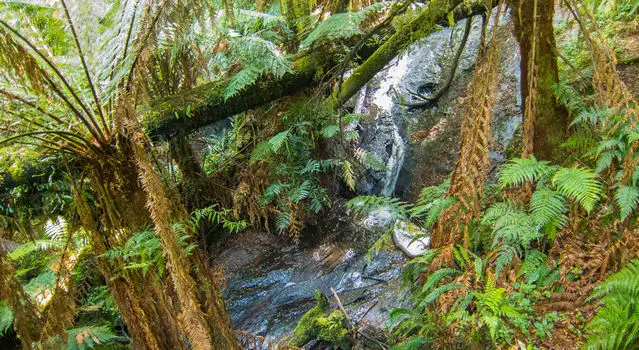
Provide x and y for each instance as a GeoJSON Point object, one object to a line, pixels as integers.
{"type": "Point", "coordinates": [418, 69]}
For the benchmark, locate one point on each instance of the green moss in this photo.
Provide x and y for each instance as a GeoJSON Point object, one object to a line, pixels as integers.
{"type": "Point", "coordinates": [332, 330]}
{"type": "Point", "coordinates": [320, 323]}
{"type": "Point", "coordinates": [308, 327]}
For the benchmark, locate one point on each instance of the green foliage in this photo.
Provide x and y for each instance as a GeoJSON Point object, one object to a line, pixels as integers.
{"type": "Point", "coordinates": [521, 171]}
{"type": "Point", "coordinates": [364, 205]}
{"type": "Point", "coordinates": [258, 57]}
{"type": "Point", "coordinates": [626, 198]}
{"type": "Point", "coordinates": [580, 185]}
{"type": "Point", "coordinates": [88, 337]}
{"type": "Point", "coordinates": [218, 216]}
{"type": "Point", "coordinates": [308, 327]}
{"type": "Point", "coordinates": [616, 324]}
{"type": "Point", "coordinates": [6, 318]}
{"type": "Point", "coordinates": [144, 251]}
{"type": "Point", "coordinates": [342, 25]}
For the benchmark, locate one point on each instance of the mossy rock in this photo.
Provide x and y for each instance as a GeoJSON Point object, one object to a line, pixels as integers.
{"type": "Point", "coordinates": [320, 323]}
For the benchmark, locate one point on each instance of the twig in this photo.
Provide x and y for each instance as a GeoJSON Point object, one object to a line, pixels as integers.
{"type": "Point", "coordinates": [352, 325]}
{"type": "Point", "coordinates": [429, 101]}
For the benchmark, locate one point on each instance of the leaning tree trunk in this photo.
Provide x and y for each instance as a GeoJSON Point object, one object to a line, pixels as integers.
{"type": "Point", "coordinates": [547, 119]}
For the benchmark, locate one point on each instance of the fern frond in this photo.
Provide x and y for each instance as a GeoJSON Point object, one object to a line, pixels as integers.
{"type": "Point", "coordinates": [278, 140]}
{"type": "Point", "coordinates": [523, 170]}
{"type": "Point", "coordinates": [329, 131]}
{"type": "Point", "coordinates": [88, 337]}
{"type": "Point", "coordinates": [626, 198]}
{"type": "Point", "coordinates": [341, 25]}
{"type": "Point", "coordinates": [369, 160]}
{"type": "Point", "coordinates": [364, 205]}
{"type": "Point", "coordinates": [547, 205]}
{"type": "Point", "coordinates": [580, 185]}
{"type": "Point", "coordinates": [348, 175]}
{"type": "Point", "coordinates": [616, 324]}
{"type": "Point", "coordinates": [6, 318]}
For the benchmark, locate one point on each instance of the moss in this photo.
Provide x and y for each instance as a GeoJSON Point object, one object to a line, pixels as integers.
{"type": "Point", "coordinates": [332, 329]}
{"type": "Point", "coordinates": [308, 327]}
{"type": "Point", "coordinates": [320, 323]}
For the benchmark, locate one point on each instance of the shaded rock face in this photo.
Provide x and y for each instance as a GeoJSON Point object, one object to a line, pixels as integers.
{"type": "Point", "coordinates": [396, 134]}
{"type": "Point", "coordinates": [269, 289]}
{"type": "Point", "coordinates": [422, 68]}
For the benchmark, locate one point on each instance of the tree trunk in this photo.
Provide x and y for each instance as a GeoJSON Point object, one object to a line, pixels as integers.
{"type": "Point", "coordinates": [550, 122]}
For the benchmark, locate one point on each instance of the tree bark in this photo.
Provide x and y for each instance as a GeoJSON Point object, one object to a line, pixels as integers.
{"type": "Point", "coordinates": [550, 119]}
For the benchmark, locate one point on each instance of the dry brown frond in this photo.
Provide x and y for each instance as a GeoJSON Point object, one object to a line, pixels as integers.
{"type": "Point", "coordinates": [476, 136]}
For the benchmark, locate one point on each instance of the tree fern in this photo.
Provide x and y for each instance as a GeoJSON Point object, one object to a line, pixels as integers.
{"type": "Point", "coordinates": [579, 184]}
{"type": "Point", "coordinates": [626, 198]}
{"type": "Point", "coordinates": [616, 324]}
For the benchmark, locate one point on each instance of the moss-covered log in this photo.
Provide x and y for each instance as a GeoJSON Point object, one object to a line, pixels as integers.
{"type": "Point", "coordinates": [205, 104]}
{"type": "Point", "coordinates": [429, 21]}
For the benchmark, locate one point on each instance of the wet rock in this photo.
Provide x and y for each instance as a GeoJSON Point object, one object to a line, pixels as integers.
{"type": "Point", "coordinates": [410, 239]}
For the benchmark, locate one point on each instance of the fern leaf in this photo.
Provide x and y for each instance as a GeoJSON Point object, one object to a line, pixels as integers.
{"type": "Point", "coordinates": [626, 198]}
{"type": "Point", "coordinates": [6, 318]}
{"type": "Point", "coordinates": [369, 204]}
{"type": "Point", "coordinates": [547, 205]}
{"type": "Point", "coordinates": [348, 175]}
{"type": "Point", "coordinates": [329, 131]}
{"type": "Point", "coordinates": [522, 170]}
{"type": "Point", "coordinates": [580, 185]}
{"type": "Point", "coordinates": [369, 160]}
{"type": "Point", "coordinates": [278, 140]}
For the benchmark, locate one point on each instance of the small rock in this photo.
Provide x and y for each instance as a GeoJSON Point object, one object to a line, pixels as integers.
{"type": "Point", "coordinates": [410, 239]}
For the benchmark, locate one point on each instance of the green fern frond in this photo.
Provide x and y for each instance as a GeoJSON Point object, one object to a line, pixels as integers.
{"type": "Point", "coordinates": [341, 25]}
{"type": "Point", "coordinates": [348, 175]}
{"type": "Point", "coordinates": [261, 153]}
{"type": "Point", "coordinates": [369, 160]}
{"type": "Point", "coordinates": [592, 116]}
{"type": "Point", "coordinates": [580, 185]}
{"type": "Point", "coordinates": [626, 198]}
{"type": "Point", "coordinates": [413, 343]}
{"type": "Point", "coordinates": [278, 140]}
{"type": "Point", "coordinates": [547, 205]}
{"type": "Point", "coordinates": [435, 210]}
{"type": "Point", "coordinates": [258, 57]}
{"type": "Point", "coordinates": [6, 318]}
{"type": "Point", "coordinates": [616, 324]}
{"type": "Point", "coordinates": [88, 337]}
{"type": "Point", "coordinates": [523, 170]}
{"type": "Point", "coordinates": [364, 205]}
{"type": "Point", "coordinates": [283, 222]}
{"type": "Point", "coordinates": [431, 193]}
{"type": "Point", "coordinates": [329, 131]}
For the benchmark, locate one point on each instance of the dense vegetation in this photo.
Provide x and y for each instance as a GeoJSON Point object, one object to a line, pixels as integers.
{"type": "Point", "coordinates": [109, 211]}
